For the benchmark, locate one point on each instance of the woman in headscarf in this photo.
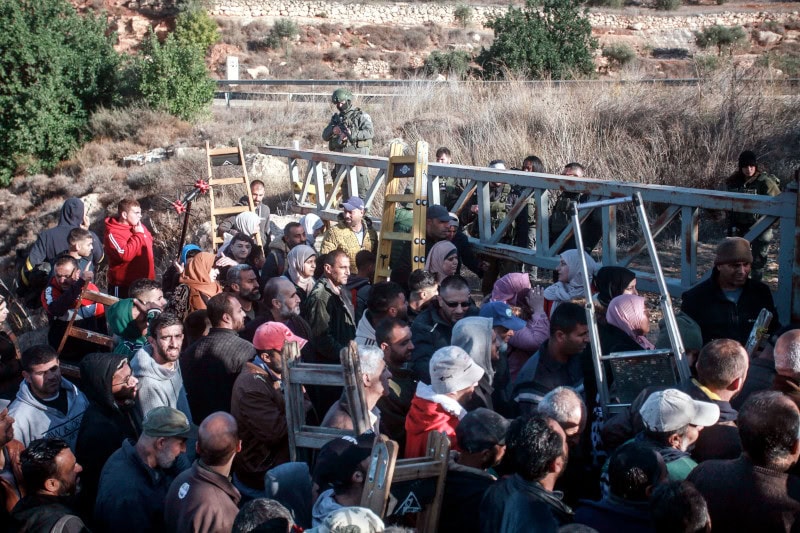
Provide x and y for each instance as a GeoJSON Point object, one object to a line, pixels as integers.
{"type": "Point", "coordinates": [612, 281]}
{"type": "Point", "coordinates": [201, 278]}
{"type": "Point", "coordinates": [570, 281]}
{"type": "Point", "coordinates": [10, 369]}
{"type": "Point", "coordinates": [172, 276]}
{"type": "Point", "coordinates": [628, 323]}
{"type": "Point", "coordinates": [515, 290]}
{"type": "Point", "coordinates": [442, 260]}
{"type": "Point", "coordinates": [301, 261]}
{"type": "Point", "coordinates": [313, 226]}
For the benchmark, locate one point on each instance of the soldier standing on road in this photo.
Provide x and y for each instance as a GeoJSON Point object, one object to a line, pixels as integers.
{"type": "Point", "coordinates": [749, 179]}
{"type": "Point", "coordinates": [349, 131]}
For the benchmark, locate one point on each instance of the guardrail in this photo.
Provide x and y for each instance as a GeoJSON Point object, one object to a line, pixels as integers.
{"type": "Point", "coordinates": [308, 168]}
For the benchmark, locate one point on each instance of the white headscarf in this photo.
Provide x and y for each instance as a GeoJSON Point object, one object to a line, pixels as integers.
{"type": "Point", "coordinates": [295, 261]}
{"type": "Point", "coordinates": [310, 223]}
{"type": "Point", "coordinates": [573, 288]}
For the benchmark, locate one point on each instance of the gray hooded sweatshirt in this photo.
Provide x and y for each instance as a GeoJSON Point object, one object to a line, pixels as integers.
{"type": "Point", "coordinates": [34, 420]}
{"type": "Point", "coordinates": [158, 385]}
{"type": "Point", "coordinates": [474, 335]}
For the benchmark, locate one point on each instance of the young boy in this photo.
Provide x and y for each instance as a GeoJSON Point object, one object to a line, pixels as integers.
{"type": "Point", "coordinates": [81, 248]}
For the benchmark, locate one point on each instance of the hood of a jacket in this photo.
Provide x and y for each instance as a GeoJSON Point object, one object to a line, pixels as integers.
{"type": "Point", "coordinates": [72, 213]}
{"type": "Point", "coordinates": [144, 366]}
{"type": "Point", "coordinates": [26, 396]}
{"type": "Point", "coordinates": [97, 374]}
{"type": "Point", "coordinates": [280, 245]}
{"type": "Point", "coordinates": [365, 330]}
{"type": "Point", "coordinates": [324, 506]}
{"type": "Point", "coordinates": [119, 318]}
{"type": "Point", "coordinates": [474, 335]}
{"type": "Point", "coordinates": [356, 282]}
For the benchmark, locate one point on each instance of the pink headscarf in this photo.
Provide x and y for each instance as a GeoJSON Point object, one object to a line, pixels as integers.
{"type": "Point", "coordinates": [508, 288]}
{"type": "Point", "coordinates": [628, 313]}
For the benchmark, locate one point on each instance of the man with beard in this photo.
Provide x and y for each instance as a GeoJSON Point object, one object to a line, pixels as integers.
{"type": "Point", "coordinates": [50, 472]}
{"type": "Point", "coordinates": [386, 300]}
{"type": "Point", "coordinates": [352, 234]}
{"type": "Point", "coordinates": [158, 370]}
{"type": "Point", "coordinates": [242, 282]}
{"type": "Point", "coordinates": [280, 303]}
{"type": "Point", "coordinates": [47, 405]}
{"type": "Point", "coordinates": [138, 475]}
{"type": "Point", "coordinates": [393, 336]}
{"type": "Point", "coordinates": [212, 364]}
{"type": "Point", "coordinates": [727, 304]}
{"type": "Point", "coordinates": [111, 418]}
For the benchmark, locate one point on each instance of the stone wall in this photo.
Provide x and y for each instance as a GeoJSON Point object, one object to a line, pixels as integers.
{"type": "Point", "coordinates": [415, 14]}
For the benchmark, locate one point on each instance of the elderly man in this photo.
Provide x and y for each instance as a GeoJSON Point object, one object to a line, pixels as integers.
{"type": "Point", "coordinates": [755, 492]}
{"type": "Point", "coordinates": [375, 378]}
{"type": "Point", "coordinates": [352, 234]}
{"type": "Point", "coordinates": [727, 304]}
{"type": "Point", "coordinates": [138, 475]}
{"type": "Point", "coordinates": [259, 407]}
{"type": "Point", "coordinates": [203, 499]}
{"type": "Point", "coordinates": [440, 405]}
{"type": "Point", "coordinates": [787, 365]}
{"type": "Point", "coordinates": [280, 303]}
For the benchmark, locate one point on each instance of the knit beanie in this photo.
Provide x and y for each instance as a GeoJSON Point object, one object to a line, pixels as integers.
{"type": "Point", "coordinates": [747, 159]}
{"type": "Point", "coordinates": [733, 250]}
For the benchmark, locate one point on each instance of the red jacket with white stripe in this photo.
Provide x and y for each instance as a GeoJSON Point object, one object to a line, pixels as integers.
{"type": "Point", "coordinates": [130, 255]}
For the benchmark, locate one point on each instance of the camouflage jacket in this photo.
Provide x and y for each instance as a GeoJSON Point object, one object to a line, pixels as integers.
{"type": "Point", "coordinates": [358, 125]}
{"type": "Point", "coordinates": [762, 183]}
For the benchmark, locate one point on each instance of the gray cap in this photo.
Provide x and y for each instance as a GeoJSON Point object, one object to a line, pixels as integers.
{"type": "Point", "coordinates": [480, 430]}
{"type": "Point", "coordinates": [168, 422]}
{"type": "Point", "coordinates": [671, 409]}
{"type": "Point", "coordinates": [439, 212]}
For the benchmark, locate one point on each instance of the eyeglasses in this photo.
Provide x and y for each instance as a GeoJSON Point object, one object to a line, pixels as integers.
{"type": "Point", "coordinates": [456, 304]}
{"type": "Point", "coordinates": [128, 381]}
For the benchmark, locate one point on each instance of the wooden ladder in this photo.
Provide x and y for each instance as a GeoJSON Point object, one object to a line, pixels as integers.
{"type": "Point", "coordinates": [296, 374]}
{"type": "Point", "coordinates": [404, 167]}
{"type": "Point", "coordinates": [221, 157]}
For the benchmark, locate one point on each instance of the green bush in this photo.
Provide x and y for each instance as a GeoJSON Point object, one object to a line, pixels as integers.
{"type": "Point", "coordinates": [706, 64]}
{"type": "Point", "coordinates": [56, 67]}
{"type": "Point", "coordinates": [723, 37]}
{"type": "Point", "coordinates": [194, 26]}
{"type": "Point", "coordinates": [454, 63]}
{"type": "Point", "coordinates": [618, 54]}
{"type": "Point", "coordinates": [281, 34]}
{"type": "Point", "coordinates": [787, 63]}
{"type": "Point", "coordinates": [545, 38]}
{"type": "Point", "coordinates": [463, 15]}
{"type": "Point", "coordinates": [172, 77]}
{"type": "Point", "coordinates": [667, 5]}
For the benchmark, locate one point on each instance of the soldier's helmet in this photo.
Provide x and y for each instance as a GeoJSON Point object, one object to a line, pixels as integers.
{"type": "Point", "coordinates": [341, 95]}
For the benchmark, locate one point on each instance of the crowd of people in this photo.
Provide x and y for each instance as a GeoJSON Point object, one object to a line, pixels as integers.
{"type": "Point", "coordinates": [182, 426]}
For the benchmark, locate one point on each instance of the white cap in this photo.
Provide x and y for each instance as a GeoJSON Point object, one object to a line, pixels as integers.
{"type": "Point", "coordinates": [671, 409]}
{"type": "Point", "coordinates": [452, 369]}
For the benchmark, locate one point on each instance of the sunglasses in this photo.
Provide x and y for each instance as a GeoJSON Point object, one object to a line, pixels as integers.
{"type": "Point", "coordinates": [456, 304]}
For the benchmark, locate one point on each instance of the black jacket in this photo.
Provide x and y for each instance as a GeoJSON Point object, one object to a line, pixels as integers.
{"type": "Point", "coordinates": [38, 513]}
{"type": "Point", "coordinates": [105, 424]}
{"type": "Point", "coordinates": [461, 503]}
{"type": "Point", "coordinates": [429, 332]}
{"type": "Point", "coordinates": [516, 505]}
{"type": "Point", "coordinates": [210, 366]}
{"type": "Point", "coordinates": [719, 318]}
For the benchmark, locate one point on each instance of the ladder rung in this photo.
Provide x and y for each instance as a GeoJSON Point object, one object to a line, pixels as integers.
{"type": "Point", "coordinates": [396, 236]}
{"type": "Point", "coordinates": [399, 198]}
{"type": "Point", "coordinates": [233, 210]}
{"type": "Point", "coordinates": [224, 150]}
{"type": "Point", "coordinates": [225, 181]}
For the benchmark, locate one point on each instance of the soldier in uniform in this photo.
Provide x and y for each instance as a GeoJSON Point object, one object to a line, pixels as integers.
{"type": "Point", "coordinates": [750, 180]}
{"type": "Point", "coordinates": [501, 200]}
{"type": "Point", "coordinates": [561, 215]}
{"type": "Point", "coordinates": [349, 131]}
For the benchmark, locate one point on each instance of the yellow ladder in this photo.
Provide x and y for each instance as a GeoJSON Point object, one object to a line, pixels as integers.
{"type": "Point", "coordinates": [404, 167]}
{"type": "Point", "coordinates": [225, 157]}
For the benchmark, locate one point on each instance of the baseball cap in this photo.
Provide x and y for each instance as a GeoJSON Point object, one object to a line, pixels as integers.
{"type": "Point", "coordinates": [671, 409]}
{"type": "Point", "coordinates": [480, 430]}
{"type": "Point", "coordinates": [453, 219]}
{"type": "Point", "coordinates": [165, 421]}
{"type": "Point", "coordinates": [340, 457]}
{"type": "Point", "coordinates": [452, 369]}
{"type": "Point", "coordinates": [439, 212]}
{"type": "Point", "coordinates": [501, 315]}
{"type": "Point", "coordinates": [272, 335]}
{"type": "Point", "coordinates": [354, 202]}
